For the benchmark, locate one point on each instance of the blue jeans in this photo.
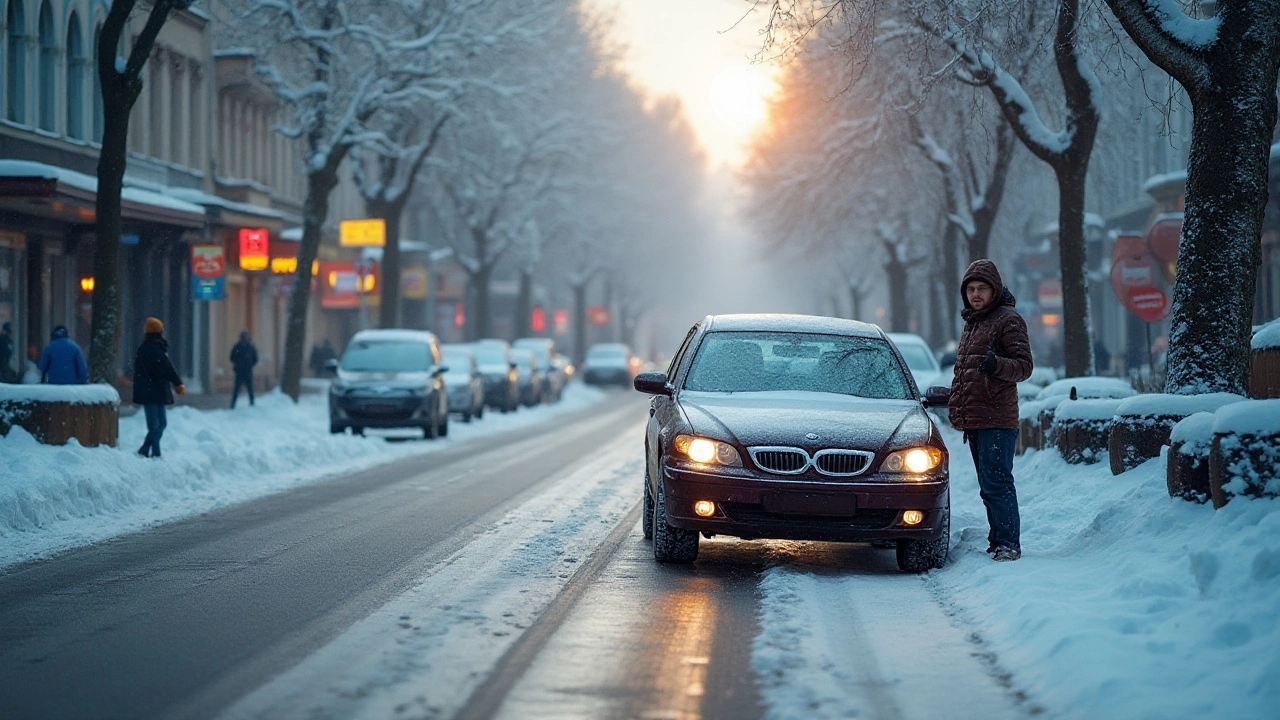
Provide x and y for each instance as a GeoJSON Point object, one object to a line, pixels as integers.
{"type": "Point", "coordinates": [247, 382]}
{"type": "Point", "coordinates": [993, 457]}
{"type": "Point", "coordinates": [156, 422]}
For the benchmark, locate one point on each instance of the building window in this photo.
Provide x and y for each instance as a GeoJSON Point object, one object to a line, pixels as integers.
{"type": "Point", "coordinates": [75, 79]}
{"type": "Point", "coordinates": [48, 88]}
{"type": "Point", "coordinates": [16, 80]}
{"type": "Point", "coordinates": [97, 88]}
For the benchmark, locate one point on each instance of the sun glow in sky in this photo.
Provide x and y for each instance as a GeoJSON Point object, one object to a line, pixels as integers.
{"type": "Point", "coordinates": [700, 51]}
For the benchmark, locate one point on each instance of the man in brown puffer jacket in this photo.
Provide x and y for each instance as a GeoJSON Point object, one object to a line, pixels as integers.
{"type": "Point", "coordinates": [993, 357]}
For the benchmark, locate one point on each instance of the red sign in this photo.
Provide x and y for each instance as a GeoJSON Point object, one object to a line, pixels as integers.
{"type": "Point", "coordinates": [538, 320]}
{"type": "Point", "coordinates": [207, 261]}
{"type": "Point", "coordinates": [1148, 303]}
{"type": "Point", "coordinates": [598, 315]}
{"type": "Point", "coordinates": [344, 285]}
{"type": "Point", "coordinates": [561, 320]}
{"type": "Point", "coordinates": [1163, 237]}
{"type": "Point", "coordinates": [1050, 293]}
{"type": "Point", "coordinates": [254, 249]}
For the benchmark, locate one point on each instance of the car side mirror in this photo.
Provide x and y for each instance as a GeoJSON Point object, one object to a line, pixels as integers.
{"type": "Point", "coordinates": [937, 396]}
{"type": "Point", "coordinates": [331, 364]}
{"type": "Point", "coordinates": [439, 370]}
{"type": "Point", "coordinates": [513, 365]}
{"type": "Point", "coordinates": [652, 383]}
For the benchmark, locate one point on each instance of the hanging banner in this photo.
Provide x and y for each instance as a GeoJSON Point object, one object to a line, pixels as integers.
{"type": "Point", "coordinates": [254, 249]}
{"type": "Point", "coordinates": [207, 266]}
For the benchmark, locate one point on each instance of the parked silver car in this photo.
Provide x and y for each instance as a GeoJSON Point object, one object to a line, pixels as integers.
{"type": "Point", "coordinates": [498, 369]}
{"type": "Point", "coordinates": [529, 375]}
{"type": "Point", "coordinates": [390, 379]}
{"type": "Point", "coordinates": [463, 381]}
{"type": "Point", "coordinates": [553, 369]}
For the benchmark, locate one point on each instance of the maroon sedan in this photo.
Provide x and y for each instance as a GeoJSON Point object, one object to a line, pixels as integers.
{"type": "Point", "coordinates": [793, 427]}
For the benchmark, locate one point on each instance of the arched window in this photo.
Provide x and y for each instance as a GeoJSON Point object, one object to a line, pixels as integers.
{"type": "Point", "coordinates": [97, 88]}
{"type": "Point", "coordinates": [48, 87]}
{"type": "Point", "coordinates": [16, 78]}
{"type": "Point", "coordinates": [75, 78]}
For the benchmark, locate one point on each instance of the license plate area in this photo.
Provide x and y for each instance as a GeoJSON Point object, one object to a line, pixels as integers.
{"type": "Point", "coordinates": [802, 503]}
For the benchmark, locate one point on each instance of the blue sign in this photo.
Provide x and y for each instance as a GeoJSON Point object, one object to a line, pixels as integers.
{"type": "Point", "coordinates": [208, 288]}
{"type": "Point", "coordinates": [129, 239]}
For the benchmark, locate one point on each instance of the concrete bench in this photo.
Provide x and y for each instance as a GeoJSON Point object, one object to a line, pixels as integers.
{"type": "Point", "coordinates": [54, 414]}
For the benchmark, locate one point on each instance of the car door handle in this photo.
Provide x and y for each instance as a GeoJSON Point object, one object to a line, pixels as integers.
{"type": "Point", "coordinates": [651, 412]}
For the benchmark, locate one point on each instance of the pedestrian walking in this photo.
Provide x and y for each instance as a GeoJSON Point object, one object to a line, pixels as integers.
{"type": "Point", "coordinates": [153, 374]}
{"type": "Point", "coordinates": [992, 358]}
{"type": "Point", "coordinates": [320, 356]}
{"type": "Point", "coordinates": [62, 362]}
{"type": "Point", "coordinates": [243, 357]}
{"type": "Point", "coordinates": [6, 352]}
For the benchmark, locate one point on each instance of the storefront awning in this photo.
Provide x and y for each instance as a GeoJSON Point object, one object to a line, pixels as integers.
{"type": "Point", "coordinates": [51, 191]}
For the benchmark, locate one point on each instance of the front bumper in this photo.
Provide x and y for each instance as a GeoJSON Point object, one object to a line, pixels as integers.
{"type": "Point", "coordinates": [751, 506]}
{"type": "Point", "coordinates": [379, 412]}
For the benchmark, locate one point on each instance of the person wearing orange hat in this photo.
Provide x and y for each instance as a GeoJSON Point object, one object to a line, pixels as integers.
{"type": "Point", "coordinates": [153, 373]}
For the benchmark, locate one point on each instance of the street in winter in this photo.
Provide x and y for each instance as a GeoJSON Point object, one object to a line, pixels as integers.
{"type": "Point", "coordinates": [640, 359]}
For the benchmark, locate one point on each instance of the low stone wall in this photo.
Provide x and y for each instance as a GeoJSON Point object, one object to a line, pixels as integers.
{"type": "Point", "coordinates": [1142, 424]}
{"type": "Point", "coordinates": [1081, 428]}
{"type": "Point", "coordinates": [1264, 373]}
{"type": "Point", "coordinates": [54, 414]}
{"type": "Point", "coordinates": [1187, 464]}
{"type": "Point", "coordinates": [1245, 456]}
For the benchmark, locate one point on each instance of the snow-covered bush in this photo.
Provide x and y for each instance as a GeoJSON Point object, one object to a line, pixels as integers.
{"type": "Point", "coordinates": [1142, 424]}
{"type": "Point", "coordinates": [1245, 457]}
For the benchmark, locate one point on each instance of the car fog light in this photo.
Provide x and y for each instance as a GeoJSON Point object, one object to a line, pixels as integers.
{"type": "Point", "coordinates": [913, 517]}
{"type": "Point", "coordinates": [704, 508]}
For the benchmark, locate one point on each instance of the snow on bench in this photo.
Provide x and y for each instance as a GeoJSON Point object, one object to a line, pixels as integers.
{"type": "Point", "coordinates": [1245, 456]}
{"type": "Point", "coordinates": [1142, 424]}
{"type": "Point", "coordinates": [54, 414]}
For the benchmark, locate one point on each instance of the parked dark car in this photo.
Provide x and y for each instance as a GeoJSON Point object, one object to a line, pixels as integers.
{"type": "Point", "coordinates": [794, 427]}
{"type": "Point", "coordinates": [609, 364]}
{"type": "Point", "coordinates": [554, 376]}
{"type": "Point", "coordinates": [528, 375]}
{"type": "Point", "coordinates": [463, 381]}
{"type": "Point", "coordinates": [390, 379]}
{"type": "Point", "coordinates": [498, 368]}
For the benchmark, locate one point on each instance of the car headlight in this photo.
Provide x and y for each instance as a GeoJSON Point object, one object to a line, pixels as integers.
{"type": "Point", "coordinates": [708, 452]}
{"type": "Point", "coordinates": [912, 460]}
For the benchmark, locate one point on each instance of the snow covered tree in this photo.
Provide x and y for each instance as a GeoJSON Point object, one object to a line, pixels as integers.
{"type": "Point", "coordinates": [1228, 65]}
{"type": "Point", "coordinates": [121, 82]}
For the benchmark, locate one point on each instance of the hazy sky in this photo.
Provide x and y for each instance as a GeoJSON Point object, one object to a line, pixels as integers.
{"type": "Point", "coordinates": [700, 52]}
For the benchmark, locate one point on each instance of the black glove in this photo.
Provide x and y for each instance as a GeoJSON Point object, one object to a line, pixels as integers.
{"type": "Point", "coordinates": [988, 365]}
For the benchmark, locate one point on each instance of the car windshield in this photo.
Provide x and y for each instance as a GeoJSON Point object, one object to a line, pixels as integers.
{"type": "Point", "coordinates": [606, 353]}
{"type": "Point", "coordinates": [917, 358]}
{"type": "Point", "coordinates": [457, 360]}
{"type": "Point", "coordinates": [387, 356]}
{"type": "Point", "coordinates": [490, 355]}
{"type": "Point", "coordinates": [522, 359]}
{"type": "Point", "coordinates": [771, 361]}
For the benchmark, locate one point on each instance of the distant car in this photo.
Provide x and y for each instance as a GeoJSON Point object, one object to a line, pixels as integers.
{"type": "Point", "coordinates": [609, 364]}
{"type": "Point", "coordinates": [501, 386]}
{"type": "Point", "coordinates": [920, 359]}
{"type": "Point", "coordinates": [553, 374]}
{"type": "Point", "coordinates": [528, 375]}
{"type": "Point", "coordinates": [793, 427]}
{"type": "Point", "coordinates": [463, 381]}
{"type": "Point", "coordinates": [390, 379]}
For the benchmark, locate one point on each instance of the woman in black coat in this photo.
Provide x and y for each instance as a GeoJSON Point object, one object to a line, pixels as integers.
{"type": "Point", "coordinates": [153, 374]}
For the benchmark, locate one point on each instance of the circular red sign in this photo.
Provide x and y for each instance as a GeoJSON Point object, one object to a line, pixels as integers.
{"type": "Point", "coordinates": [1148, 303]}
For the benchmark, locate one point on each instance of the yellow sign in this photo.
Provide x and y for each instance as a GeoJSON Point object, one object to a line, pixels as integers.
{"type": "Point", "coordinates": [413, 283]}
{"type": "Point", "coordinates": [284, 265]}
{"type": "Point", "coordinates": [371, 232]}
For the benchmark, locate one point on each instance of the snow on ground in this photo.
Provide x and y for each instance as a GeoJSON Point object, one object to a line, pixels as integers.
{"type": "Point", "coordinates": [57, 497]}
{"type": "Point", "coordinates": [1126, 603]}
{"type": "Point", "coordinates": [422, 654]}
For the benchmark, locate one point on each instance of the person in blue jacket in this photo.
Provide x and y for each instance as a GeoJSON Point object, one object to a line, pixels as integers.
{"type": "Point", "coordinates": [62, 362]}
{"type": "Point", "coordinates": [153, 373]}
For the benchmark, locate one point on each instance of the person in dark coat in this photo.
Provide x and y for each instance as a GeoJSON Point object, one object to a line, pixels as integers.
{"type": "Point", "coordinates": [994, 355]}
{"type": "Point", "coordinates": [153, 374]}
{"type": "Point", "coordinates": [6, 352]}
{"type": "Point", "coordinates": [62, 362]}
{"type": "Point", "coordinates": [243, 357]}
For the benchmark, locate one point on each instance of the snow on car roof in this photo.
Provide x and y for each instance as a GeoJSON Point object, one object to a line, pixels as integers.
{"type": "Point", "coordinates": [392, 334]}
{"type": "Point", "coordinates": [780, 322]}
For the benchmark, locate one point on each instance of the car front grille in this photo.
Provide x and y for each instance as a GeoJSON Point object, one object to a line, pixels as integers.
{"type": "Point", "coordinates": [842, 462]}
{"type": "Point", "coordinates": [780, 460]}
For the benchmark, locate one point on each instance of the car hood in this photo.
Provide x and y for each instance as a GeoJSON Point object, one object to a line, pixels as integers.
{"type": "Point", "coordinates": [785, 418]}
{"type": "Point", "coordinates": [393, 380]}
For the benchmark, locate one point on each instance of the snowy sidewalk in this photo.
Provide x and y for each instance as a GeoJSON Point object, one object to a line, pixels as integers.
{"type": "Point", "coordinates": [55, 498]}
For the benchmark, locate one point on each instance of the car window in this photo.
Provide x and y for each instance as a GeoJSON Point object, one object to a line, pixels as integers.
{"type": "Point", "coordinates": [456, 359]}
{"type": "Point", "coordinates": [387, 356]}
{"type": "Point", "coordinates": [772, 361]}
{"type": "Point", "coordinates": [684, 347]}
{"type": "Point", "coordinates": [606, 352]}
{"type": "Point", "coordinates": [917, 357]}
{"type": "Point", "coordinates": [490, 354]}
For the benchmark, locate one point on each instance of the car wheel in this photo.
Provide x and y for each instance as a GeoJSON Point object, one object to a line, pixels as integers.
{"type": "Point", "coordinates": [466, 416]}
{"type": "Point", "coordinates": [917, 556]}
{"type": "Point", "coordinates": [671, 544]}
{"type": "Point", "coordinates": [646, 516]}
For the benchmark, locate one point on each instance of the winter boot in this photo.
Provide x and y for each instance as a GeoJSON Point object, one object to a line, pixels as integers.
{"type": "Point", "coordinates": [1006, 554]}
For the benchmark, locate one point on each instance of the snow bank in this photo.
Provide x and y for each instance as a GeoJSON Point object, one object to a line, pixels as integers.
{"type": "Point", "coordinates": [98, 394]}
{"type": "Point", "coordinates": [1127, 603]}
{"type": "Point", "coordinates": [1157, 404]}
{"type": "Point", "coordinates": [1093, 410]}
{"type": "Point", "coordinates": [57, 497]}
{"type": "Point", "coordinates": [1088, 387]}
{"type": "Point", "coordinates": [1251, 417]}
{"type": "Point", "coordinates": [1030, 410]}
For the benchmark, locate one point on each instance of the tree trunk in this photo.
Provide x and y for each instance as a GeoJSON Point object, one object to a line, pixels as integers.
{"type": "Point", "coordinates": [1077, 331]}
{"type": "Point", "coordinates": [316, 207]}
{"type": "Point", "coordinates": [579, 323]}
{"type": "Point", "coordinates": [478, 321]}
{"type": "Point", "coordinates": [524, 304]}
{"type": "Point", "coordinates": [855, 302]}
{"type": "Point", "coordinates": [104, 342]}
{"type": "Point", "coordinates": [389, 306]}
{"type": "Point", "coordinates": [896, 275]}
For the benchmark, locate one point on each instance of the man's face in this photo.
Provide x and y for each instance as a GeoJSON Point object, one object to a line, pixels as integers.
{"type": "Point", "coordinates": [979, 294]}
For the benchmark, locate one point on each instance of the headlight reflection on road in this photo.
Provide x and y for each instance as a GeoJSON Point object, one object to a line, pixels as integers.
{"type": "Point", "coordinates": [680, 678]}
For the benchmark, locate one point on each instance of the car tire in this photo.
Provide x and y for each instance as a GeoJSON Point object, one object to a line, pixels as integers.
{"type": "Point", "coordinates": [917, 556]}
{"type": "Point", "coordinates": [466, 416]}
{"type": "Point", "coordinates": [646, 515]}
{"type": "Point", "coordinates": [672, 545]}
